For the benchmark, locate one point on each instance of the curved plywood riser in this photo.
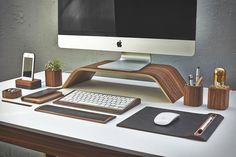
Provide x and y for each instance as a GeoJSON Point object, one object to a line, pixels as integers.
{"type": "Point", "coordinates": [169, 79]}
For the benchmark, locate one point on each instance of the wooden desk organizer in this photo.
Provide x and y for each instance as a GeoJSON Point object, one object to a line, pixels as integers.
{"type": "Point", "coordinates": [11, 93]}
{"type": "Point", "coordinates": [218, 97]}
{"type": "Point", "coordinates": [169, 79]}
{"type": "Point", "coordinates": [193, 95]}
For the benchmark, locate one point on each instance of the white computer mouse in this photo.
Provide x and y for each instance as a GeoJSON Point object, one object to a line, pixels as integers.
{"type": "Point", "coordinates": [165, 118]}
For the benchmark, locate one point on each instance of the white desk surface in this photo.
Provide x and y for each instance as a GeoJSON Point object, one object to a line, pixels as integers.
{"type": "Point", "coordinates": [221, 143]}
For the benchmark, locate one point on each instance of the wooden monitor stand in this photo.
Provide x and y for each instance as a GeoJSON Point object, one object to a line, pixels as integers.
{"type": "Point", "coordinates": [169, 79]}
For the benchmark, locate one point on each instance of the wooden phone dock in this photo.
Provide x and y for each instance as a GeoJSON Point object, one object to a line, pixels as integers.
{"type": "Point", "coordinates": [34, 84]}
{"type": "Point", "coordinates": [169, 79]}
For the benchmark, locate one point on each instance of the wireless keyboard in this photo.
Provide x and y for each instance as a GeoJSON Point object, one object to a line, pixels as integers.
{"type": "Point", "coordinates": [98, 101]}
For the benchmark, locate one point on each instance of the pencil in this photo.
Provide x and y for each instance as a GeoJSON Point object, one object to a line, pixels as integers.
{"type": "Point", "coordinates": [17, 103]}
{"type": "Point", "coordinates": [199, 81]}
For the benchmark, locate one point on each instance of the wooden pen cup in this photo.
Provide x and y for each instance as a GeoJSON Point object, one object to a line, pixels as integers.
{"type": "Point", "coordinates": [193, 95]}
{"type": "Point", "coordinates": [218, 97]}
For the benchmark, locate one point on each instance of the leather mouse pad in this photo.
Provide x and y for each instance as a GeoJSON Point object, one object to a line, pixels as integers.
{"type": "Point", "coordinates": [184, 126]}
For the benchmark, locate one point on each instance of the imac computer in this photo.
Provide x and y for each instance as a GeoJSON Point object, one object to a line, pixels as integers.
{"type": "Point", "coordinates": [137, 28]}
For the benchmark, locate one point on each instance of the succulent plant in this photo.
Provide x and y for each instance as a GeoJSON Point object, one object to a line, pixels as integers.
{"type": "Point", "coordinates": [54, 65]}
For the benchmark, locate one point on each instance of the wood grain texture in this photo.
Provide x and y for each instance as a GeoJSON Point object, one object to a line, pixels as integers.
{"type": "Point", "coordinates": [78, 76]}
{"type": "Point", "coordinates": [7, 93]}
{"type": "Point", "coordinates": [56, 146]}
{"type": "Point", "coordinates": [169, 79]}
{"type": "Point", "coordinates": [42, 99]}
{"type": "Point", "coordinates": [36, 83]}
{"type": "Point", "coordinates": [48, 155]}
{"type": "Point", "coordinates": [193, 95]}
{"type": "Point", "coordinates": [218, 98]}
{"type": "Point", "coordinates": [53, 78]}
{"type": "Point", "coordinates": [71, 113]}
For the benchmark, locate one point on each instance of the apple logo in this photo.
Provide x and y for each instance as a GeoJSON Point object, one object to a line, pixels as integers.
{"type": "Point", "coordinates": [119, 43]}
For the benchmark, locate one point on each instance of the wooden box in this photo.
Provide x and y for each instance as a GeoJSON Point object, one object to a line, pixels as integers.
{"type": "Point", "coordinates": [218, 97]}
{"type": "Point", "coordinates": [11, 93]}
{"type": "Point", "coordinates": [193, 95]}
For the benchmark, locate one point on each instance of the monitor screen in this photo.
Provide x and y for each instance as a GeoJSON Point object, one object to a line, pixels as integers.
{"type": "Point", "coordinates": [143, 26]}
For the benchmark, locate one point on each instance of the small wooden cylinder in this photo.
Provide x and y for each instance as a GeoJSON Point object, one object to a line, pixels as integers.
{"type": "Point", "coordinates": [218, 97]}
{"type": "Point", "coordinates": [193, 95]}
{"type": "Point", "coordinates": [53, 78]}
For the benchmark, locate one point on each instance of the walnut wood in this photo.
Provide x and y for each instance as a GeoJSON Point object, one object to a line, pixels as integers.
{"type": "Point", "coordinates": [108, 117]}
{"type": "Point", "coordinates": [11, 95]}
{"type": "Point", "coordinates": [42, 99]}
{"type": "Point", "coordinates": [169, 79]}
{"type": "Point", "coordinates": [36, 83]}
{"type": "Point", "coordinates": [78, 77]}
{"type": "Point", "coordinates": [55, 146]}
{"type": "Point", "coordinates": [48, 155]}
{"type": "Point", "coordinates": [218, 98]}
{"type": "Point", "coordinates": [53, 78]}
{"type": "Point", "coordinates": [193, 95]}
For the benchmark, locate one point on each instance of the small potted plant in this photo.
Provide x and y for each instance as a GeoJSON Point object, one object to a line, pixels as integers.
{"type": "Point", "coordinates": [53, 73]}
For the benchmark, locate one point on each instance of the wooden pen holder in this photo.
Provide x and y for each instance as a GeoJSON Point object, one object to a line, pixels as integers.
{"type": "Point", "coordinates": [193, 95]}
{"type": "Point", "coordinates": [218, 97]}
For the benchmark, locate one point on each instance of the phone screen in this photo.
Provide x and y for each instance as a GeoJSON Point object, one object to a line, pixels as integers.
{"type": "Point", "coordinates": [27, 69]}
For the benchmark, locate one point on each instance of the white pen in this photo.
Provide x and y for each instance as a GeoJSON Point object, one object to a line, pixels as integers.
{"type": "Point", "coordinates": [190, 79]}
{"type": "Point", "coordinates": [197, 74]}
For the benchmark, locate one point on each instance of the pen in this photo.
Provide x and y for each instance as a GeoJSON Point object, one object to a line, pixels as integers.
{"type": "Point", "coordinates": [199, 81]}
{"type": "Point", "coordinates": [197, 73]}
{"type": "Point", "coordinates": [205, 125]}
{"type": "Point", "coordinates": [190, 79]}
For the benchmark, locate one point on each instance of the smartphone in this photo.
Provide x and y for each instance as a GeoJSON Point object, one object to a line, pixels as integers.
{"type": "Point", "coordinates": [28, 66]}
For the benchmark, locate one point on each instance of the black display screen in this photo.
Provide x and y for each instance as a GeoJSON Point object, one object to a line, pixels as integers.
{"type": "Point", "coordinates": [27, 69]}
{"type": "Point", "coordinates": [159, 19]}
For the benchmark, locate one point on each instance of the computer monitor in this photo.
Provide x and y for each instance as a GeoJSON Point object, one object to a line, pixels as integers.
{"type": "Point", "coordinates": [137, 28]}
